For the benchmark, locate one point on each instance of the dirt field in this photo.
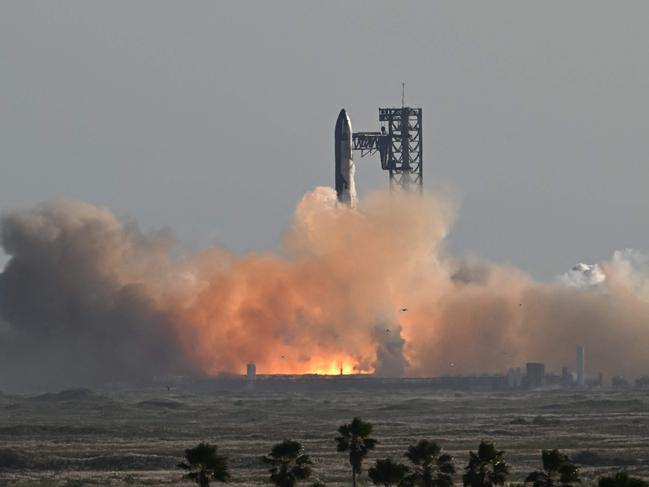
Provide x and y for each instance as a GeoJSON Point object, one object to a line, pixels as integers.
{"type": "Point", "coordinates": [84, 437]}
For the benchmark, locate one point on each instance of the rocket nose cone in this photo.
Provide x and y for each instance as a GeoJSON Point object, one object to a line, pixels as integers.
{"type": "Point", "coordinates": [342, 118]}
{"type": "Point", "coordinates": [343, 123]}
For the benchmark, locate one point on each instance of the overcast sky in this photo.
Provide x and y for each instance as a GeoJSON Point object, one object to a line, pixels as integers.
{"type": "Point", "coordinates": [213, 118]}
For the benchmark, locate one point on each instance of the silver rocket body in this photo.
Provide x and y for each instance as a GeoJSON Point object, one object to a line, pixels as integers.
{"type": "Point", "coordinates": [345, 185]}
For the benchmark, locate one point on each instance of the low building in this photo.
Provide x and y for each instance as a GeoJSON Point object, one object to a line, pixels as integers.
{"type": "Point", "coordinates": [535, 376]}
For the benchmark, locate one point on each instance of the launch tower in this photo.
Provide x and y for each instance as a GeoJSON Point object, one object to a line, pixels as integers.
{"type": "Point", "coordinates": [399, 144]}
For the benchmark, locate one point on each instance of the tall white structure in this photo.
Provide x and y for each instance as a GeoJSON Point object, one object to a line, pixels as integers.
{"type": "Point", "coordinates": [581, 366]}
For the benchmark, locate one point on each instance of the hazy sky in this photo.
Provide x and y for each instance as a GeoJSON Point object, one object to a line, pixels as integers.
{"type": "Point", "coordinates": [213, 118]}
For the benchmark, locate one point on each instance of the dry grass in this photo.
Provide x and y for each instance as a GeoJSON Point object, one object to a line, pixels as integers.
{"type": "Point", "coordinates": [137, 437]}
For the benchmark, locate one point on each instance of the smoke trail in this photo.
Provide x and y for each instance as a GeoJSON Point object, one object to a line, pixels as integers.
{"type": "Point", "coordinates": [86, 298]}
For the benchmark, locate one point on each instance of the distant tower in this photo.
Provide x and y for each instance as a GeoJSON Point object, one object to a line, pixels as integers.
{"type": "Point", "coordinates": [404, 158]}
{"type": "Point", "coordinates": [581, 366]}
{"type": "Point", "coordinates": [251, 372]}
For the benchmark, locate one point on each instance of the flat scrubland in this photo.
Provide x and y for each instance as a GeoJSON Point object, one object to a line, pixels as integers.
{"type": "Point", "coordinates": [85, 437]}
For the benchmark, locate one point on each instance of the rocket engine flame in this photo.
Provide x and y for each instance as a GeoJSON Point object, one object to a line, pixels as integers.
{"type": "Point", "coordinates": [87, 298]}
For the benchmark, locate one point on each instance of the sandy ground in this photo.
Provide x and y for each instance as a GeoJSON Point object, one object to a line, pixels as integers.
{"type": "Point", "coordinates": [117, 438]}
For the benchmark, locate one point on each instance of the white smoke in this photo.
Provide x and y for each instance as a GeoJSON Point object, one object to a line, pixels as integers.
{"type": "Point", "coordinates": [583, 276]}
{"type": "Point", "coordinates": [628, 266]}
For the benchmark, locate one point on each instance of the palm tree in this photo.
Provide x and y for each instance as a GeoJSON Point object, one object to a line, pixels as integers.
{"type": "Point", "coordinates": [486, 468]}
{"type": "Point", "coordinates": [204, 465]}
{"type": "Point", "coordinates": [558, 470]}
{"type": "Point", "coordinates": [622, 479]}
{"type": "Point", "coordinates": [432, 468]}
{"type": "Point", "coordinates": [289, 464]}
{"type": "Point", "coordinates": [355, 439]}
{"type": "Point", "coordinates": [387, 472]}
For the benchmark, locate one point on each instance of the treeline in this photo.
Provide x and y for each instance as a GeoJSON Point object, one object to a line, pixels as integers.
{"type": "Point", "coordinates": [427, 465]}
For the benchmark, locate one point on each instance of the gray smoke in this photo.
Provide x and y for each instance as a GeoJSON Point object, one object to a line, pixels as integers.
{"type": "Point", "coordinates": [390, 359]}
{"type": "Point", "coordinates": [75, 307]}
{"type": "Point", "coordinates": [470, 270]}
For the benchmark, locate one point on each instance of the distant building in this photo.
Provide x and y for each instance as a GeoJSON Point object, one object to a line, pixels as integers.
{"type": "Point", "coordinates": [553, 380]}
{"type": "Point", "coordinates": [619, 382]}
{"type": "Point", "coordinates": [581, 366]}
{"type": "Point", "coordinates": [515, 377]}
{"type": "Point", "coordinates": [566, 377]}
{"type": "Point", "coordinates": [642, 381]}
{"type": "Point", "coordinates": [535, 374]}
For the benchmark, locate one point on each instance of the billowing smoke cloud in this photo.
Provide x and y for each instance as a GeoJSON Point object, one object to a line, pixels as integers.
{"type": "Point", "coordinates": [80, 297]}
{"type": "Point", "coordinates": [86, 297]}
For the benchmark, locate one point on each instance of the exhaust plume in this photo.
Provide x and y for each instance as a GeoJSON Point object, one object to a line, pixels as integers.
{"type": "Point", "coordinates": [88, 298]}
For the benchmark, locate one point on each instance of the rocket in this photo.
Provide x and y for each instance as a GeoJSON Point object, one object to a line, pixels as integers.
{"type": "Point", "coordinates": [345, 186]}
